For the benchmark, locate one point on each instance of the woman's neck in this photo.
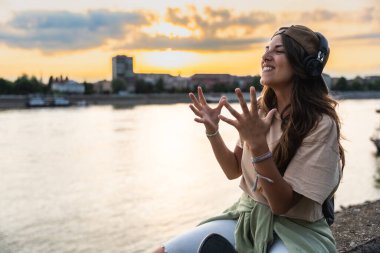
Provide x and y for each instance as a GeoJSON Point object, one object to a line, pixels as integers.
{"type": "Point", "coordinates": [283, 99]}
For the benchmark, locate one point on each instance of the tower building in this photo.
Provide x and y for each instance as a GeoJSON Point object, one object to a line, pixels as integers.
{"type": "Point", "coordinates": [122, 69]}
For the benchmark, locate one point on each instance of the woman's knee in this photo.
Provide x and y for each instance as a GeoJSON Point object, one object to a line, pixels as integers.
{"type": "Point", "coordinates": [189, 241]}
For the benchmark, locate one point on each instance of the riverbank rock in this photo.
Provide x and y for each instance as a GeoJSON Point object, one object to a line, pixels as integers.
{"type": "Point", "coordinates": [357, 228]}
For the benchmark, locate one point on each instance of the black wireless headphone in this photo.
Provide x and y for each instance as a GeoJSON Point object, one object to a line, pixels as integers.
{"type": "Point", "coordinates": [315, 63]}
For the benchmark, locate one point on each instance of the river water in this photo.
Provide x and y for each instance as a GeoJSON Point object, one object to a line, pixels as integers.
{"type": "Point", "coordinates": [106, 180]}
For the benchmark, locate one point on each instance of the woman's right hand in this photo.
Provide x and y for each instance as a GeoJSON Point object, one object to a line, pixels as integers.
{"type": "Point", "coordinates": [206, 115]}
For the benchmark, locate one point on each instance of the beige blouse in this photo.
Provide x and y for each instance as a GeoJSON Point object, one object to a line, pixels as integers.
{"type": "Point", "coordinates": [314, 172]}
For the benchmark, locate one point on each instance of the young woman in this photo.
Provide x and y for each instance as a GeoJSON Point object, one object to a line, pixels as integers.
{"type": "Point", "coordinates": [289, 155]}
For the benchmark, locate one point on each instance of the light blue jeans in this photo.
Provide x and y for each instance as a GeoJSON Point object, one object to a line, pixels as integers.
{"type": "Point", "coordinates": [189, 241]}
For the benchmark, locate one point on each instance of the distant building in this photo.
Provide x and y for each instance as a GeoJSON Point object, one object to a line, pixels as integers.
{"type": "Point", "coordinates": [170, 82]}
{"type": "Point", "coordinates": [178, 83]}
{"type": "Point", "coordinates": [153, 78]}
{"type": "Point", "coordinates": [372, 78]}
{"type": "Point", "coordinates": [67, 86]}
{"type": "Point", "coordinates": [103, 87]}
{"type": "Point", "coordinates": [122, 68]}
{"type": "Point", "coordinates": [244, 81]}
{"type": "Point", "coordinates": [210, 80]}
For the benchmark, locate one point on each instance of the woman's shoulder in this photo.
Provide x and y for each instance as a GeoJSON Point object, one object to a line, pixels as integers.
{"type": "Point", "coordinates": [325, 128]}
{"type": "Point", "coordinates": [326, 121]}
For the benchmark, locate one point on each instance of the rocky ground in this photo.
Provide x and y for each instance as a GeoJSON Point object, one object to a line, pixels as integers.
{"type": "Point", "coordinates": [357, 228]}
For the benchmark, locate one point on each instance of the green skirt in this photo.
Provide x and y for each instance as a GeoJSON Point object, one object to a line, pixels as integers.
{"type": "Point", "coordinates": [256, 226]}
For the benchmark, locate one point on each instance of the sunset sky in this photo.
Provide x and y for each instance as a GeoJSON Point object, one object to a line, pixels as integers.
{"type": "Point", "coordinates": [78, 38]}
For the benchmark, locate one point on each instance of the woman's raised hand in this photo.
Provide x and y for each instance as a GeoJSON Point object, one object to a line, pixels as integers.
{"type": "Point", "coordinates": [205, 114]}
{"type": "Point", "coordinates": [252, 128]}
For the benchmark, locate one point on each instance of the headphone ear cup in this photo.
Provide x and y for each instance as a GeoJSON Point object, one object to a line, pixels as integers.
{"type": "Point", "coordinates": [312, 66]}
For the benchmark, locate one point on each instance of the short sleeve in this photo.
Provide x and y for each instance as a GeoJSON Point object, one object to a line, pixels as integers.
{"type": "Point", "coordinates": [314, 171]}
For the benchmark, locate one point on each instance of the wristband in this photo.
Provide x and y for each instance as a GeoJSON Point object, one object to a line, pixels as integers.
{"type": "Point", "coordinates": [254, 187]}
{"type": "Point", "coordinates": [212, 134]}
{"type": "Point", "coordinates": [262, 157]}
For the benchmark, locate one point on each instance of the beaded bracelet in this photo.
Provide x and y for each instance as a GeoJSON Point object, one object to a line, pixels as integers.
{"type": "Point", "coordinates": [261, 158]}
{"type": "Point", "coordinates": [212, 134]}
{"type": "Point", "coordinates": [254, 187]}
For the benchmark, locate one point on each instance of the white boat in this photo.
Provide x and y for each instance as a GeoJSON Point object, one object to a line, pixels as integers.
{"type": "Point", "coordinates": [36, 102]}
{"type": "Point", "coordinates": [82, 103]}
{"type": "Point", "coordinates": [39, 101]}
{"type": "Point", "coordinates": [60, 101]}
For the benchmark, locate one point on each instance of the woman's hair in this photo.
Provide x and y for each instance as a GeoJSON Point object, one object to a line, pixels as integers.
{"type": "Point", "coordinates": [309, 101]}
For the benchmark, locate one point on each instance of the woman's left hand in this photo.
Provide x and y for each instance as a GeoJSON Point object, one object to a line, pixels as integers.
{"type": "Point", "coordinates": [251, 127]}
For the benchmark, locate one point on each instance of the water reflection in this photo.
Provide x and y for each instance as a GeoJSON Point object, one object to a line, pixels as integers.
{"type": "Point", "coordinates": [101, 179]}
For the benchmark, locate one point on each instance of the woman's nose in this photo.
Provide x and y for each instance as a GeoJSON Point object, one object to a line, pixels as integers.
{"type": "Point", "coordinates": [267, 56]}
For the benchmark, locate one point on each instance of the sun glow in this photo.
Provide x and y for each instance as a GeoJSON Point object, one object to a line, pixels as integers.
{"type": "Point", "coordinates": [168, 60]}
{"type": "Point", "coordinates": [168, 30]}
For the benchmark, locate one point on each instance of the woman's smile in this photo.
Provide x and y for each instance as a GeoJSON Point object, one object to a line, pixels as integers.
{"type": "Point", "coordinates": [267, 68]}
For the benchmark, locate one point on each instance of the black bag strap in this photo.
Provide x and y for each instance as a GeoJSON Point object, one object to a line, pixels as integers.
{"type": "Point", "coordinates": [328, 205]}
{"type": "Point", "coordinates": [328, 210]}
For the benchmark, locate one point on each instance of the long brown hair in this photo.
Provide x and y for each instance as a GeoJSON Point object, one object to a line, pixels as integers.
{"type": "Point", "coordinates": [309, 101]}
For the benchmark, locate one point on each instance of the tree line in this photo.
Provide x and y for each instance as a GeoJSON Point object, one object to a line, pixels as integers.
{"type": "Point", "coordinates": [357, 84]}
{"type": "Point", "coordinates": [142, 87]}
{"type": "Point", "coordinates": [24, 85]}
{"type": "Point", "coordinates": [340, 84]}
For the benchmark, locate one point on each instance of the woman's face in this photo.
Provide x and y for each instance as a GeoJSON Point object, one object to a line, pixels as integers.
{"type": "Point", "coordinates": [276, 71]}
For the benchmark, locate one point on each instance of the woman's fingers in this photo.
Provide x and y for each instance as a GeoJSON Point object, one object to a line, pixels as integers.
{"type": "Point", "coordinates": [232, 110]}
{"type": "Point", "coordinates": [195, 101]}
{"type": "Point", "coordinates": [242, 102]}
{"type": "Point", "coordinates": [196, 111]}
{"type": "Point", "coordinates": [268, 119]}
{"type": "Point", "coordinates": [221, 103]}
{"type": "Point", "coordinates": [199, 120]}
{"type": "Point", "coordinates": [206, 122]}
{"type": "Point", "coordinates": [228, 121]}
{"type": "Point", "coordinates": [202, 98]}
{"type": "Point", "coordinates": [252, 94]}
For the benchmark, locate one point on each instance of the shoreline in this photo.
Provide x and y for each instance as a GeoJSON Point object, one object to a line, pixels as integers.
{"type": "Point", "coordinates": [19, 101]}
{"type": "Point", "coordinates": [357, 228]}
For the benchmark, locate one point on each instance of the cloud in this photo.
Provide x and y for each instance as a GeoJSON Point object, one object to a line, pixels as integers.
{"type": "Point", "coordinates": [62, 30]}
{"type": "Point", "coordinates": [213, 23]}
{"type": "Point", "coordinates": [319, 16]}
{"type": "Point", "coordinates": [52, 31]}
{"type": "Point", "coordinates": [368, 14]}
{"type": "Point", "coordinates": [219, 29]}
{"type": "Point", "coordinates": [212, 30]}
{"type": "Point", "coordinates": [147, 42]}
{"type": "Point", "coordinates": [363, 36]}
{"type": "Point", "coordinates": [345, 19]}
{"type": "Point", "coordinates": [209, 28]}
